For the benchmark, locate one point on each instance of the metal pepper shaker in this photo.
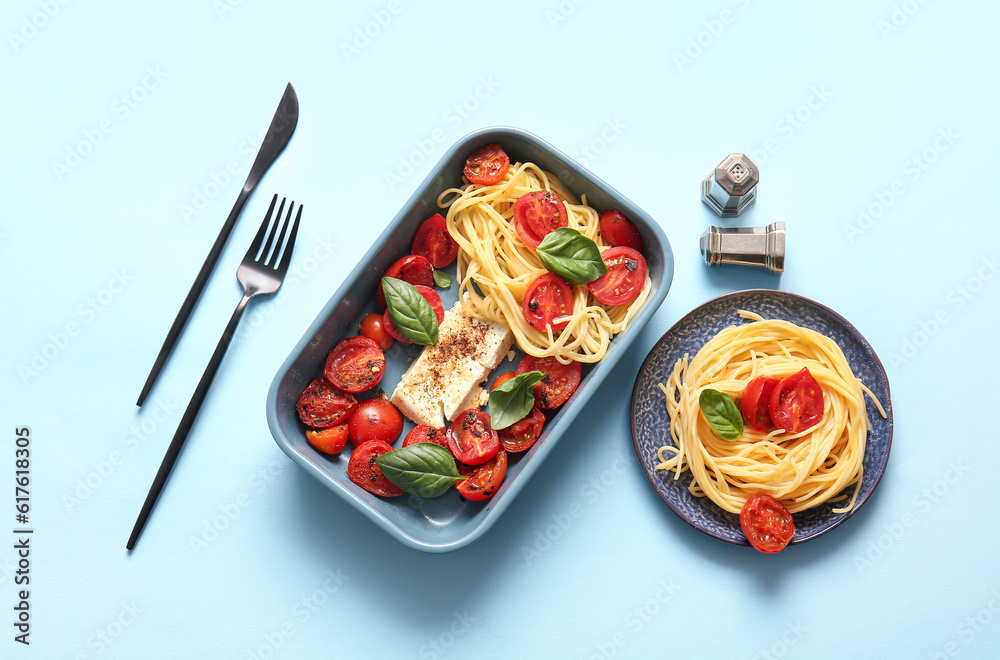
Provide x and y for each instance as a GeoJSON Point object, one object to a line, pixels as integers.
{"type": "Point", "coordinates": [748, 246]}
{"type": "Point", "coordinates": [732, 186]}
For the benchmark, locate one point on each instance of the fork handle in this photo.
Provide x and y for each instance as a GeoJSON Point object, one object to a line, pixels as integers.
{"type": "Point", "coordinates": [187, 421]}
{"type": "Point", "coordinates": [192, 297]}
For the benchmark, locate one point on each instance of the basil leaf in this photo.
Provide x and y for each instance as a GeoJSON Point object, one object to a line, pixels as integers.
{"type": "Point", "coordinates": [423, 469]}
{"type": "Point", "coordinates": [571, 255]}
{"type": "Point", "coordinates": [442, 279]}
{"type": "Point", "coordinates": [410, 313]}
{"type": "Point", "coordinates": [513, 400]}
{"type": "Point", "coordinates": [721, 413]}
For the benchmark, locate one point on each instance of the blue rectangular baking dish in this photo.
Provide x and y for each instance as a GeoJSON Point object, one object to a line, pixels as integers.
{"type": "Point", "coordinates": [448, 522]}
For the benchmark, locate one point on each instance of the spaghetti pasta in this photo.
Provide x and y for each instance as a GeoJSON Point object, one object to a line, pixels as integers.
{"type": "Point", "coordinates": [495, 266]}
{"type": "Point", "coordinates": [803, 469]}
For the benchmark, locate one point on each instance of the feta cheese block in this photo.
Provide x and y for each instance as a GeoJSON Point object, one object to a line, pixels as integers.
{"type": "Point", "coordinates": [448, 377]}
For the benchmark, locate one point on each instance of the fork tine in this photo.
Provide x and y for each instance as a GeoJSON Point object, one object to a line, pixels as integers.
{"type": "Point", "coordinates": [270, 237]}
{"type": "Point", "coordinates": [286, 257]}
{"type": "Point", "coordinates": [258, 240]}
{"type": "Point", "coordinates": [273, 259]}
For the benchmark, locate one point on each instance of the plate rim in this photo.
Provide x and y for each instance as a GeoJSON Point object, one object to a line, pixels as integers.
{"type": "Point", "coordinates": [651, 475]}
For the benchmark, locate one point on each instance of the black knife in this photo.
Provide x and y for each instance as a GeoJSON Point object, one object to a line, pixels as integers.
{"type": "Point", "coordinates": [278, 134]}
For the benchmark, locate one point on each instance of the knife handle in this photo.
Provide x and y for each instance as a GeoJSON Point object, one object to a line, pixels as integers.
{"type": "Point", "coordinates": [199, 285]}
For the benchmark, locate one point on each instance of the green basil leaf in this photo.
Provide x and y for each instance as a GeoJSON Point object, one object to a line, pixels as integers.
{"type": "Point", "coordinates": [721, 413]}
{"type": "Point", "coordinates": [423, 469]}
{"type": "Point", "coordinates": [571, 255]}
{"type": "Point", "coordinates": [512, 401]}
{"type": "Point", "coordinates": [442, 279]}
{"type": "Point", "coordinates": [410, 313]}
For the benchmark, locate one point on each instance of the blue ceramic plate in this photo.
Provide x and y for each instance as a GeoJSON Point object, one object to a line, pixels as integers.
{"type": "Point", "coordinates": [447, 522]}
{"type": "Point", "coordinates": [651, 425]}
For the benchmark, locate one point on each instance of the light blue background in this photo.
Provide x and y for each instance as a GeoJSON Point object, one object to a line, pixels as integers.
{"type": "Point", "coordinates": [834, 100]}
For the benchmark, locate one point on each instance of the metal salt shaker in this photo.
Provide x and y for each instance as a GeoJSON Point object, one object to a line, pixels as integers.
{"type": "Point", "coordinates": [732, 186]}
{"type": "Point", "coordinates": [747, 246]}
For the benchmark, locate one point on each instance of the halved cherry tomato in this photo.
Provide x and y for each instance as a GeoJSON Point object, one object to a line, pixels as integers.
{"type": "Point", "coordinates": [766, 523]}
{"type": "Point", "coordinates": [523, 434]}
{"type": "Point", "coordinates": [355, 364]}
{"type": "Point", "coordinates": [330, 440]}
{"type": "Point", "coordinates": [501, 379]}
{"type": "Point", "coordinates": [434, 243]}
{"type": "Point", "coordinates": [413, 269]}
{"type": "Point", "coordinates": [538, 213]}
{"type": "Point", "coordinates": [425, 433]}
{"type": "Point", "coordinates": [371, 327]}
{"type": "Point", "coordinates": [548, 297]}
{"type": "Point", "coordinates": [322, 405]}
{"type": "Point", "coordinates": [560, 381]}
{"type": "Point", "coordinates": [471, 439]}
{"type": "Point", "coordinates": [625, 277]}
{"type": "Point", "coordinates": [431, 296]}
{"type": "Point", "coordinates": [485, 479]}
{"type": "Point", "coordinates": [797, 402]}
{"type": "Point", "coordinates": [363, 470]}
{"type": "Point", "coordinates": [374, 419]}
{"type": "Point", "coordinates": [617, 230]}
{"type": "Point", "coordinates": [487, 165]}
{"type": "Point", "coordinates": [756, 401]}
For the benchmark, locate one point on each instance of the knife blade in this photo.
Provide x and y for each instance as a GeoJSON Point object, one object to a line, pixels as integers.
{"type": "Point", "coordinates": [286, 117]}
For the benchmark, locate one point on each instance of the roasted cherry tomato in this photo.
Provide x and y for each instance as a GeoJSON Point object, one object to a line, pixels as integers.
{"type": "Point", "coordinates": [363, 471]}
{"type": "Point", "coordinates": [501, 379]}
{"type": "Point", "coordinates": [625, 277]}
{"type": "Point", "coordinates": [538, 213]}
{"type": "Point", "coordinates": [434, 243]}
{"type": "Point", "coordinates": [560, 381]}
{"type": "Point", "coordinates": [431, 296]}
{"type": "Point", "coordinates": [617, 230]}
{"type": "Point", "coordinates": [371, 327]}
{"type": "Point", "coordinates": [426, 433]}
{"type": "Point", "coordinates": [471, 439]}
{"type": "Point", "coordinates": [487, 165]}
{"type": "Point", "coordinates": [355, 364]}
{"type": "Point", "coordinates": [374, 419]}
{"type": "Point", "coordinates": [548, 297]}
{"type": "Point", "coordinates": [330, 440]}
{"type": "Point", "coordinates": [411, 268]}
{"type": "Point", "coordinates": [485, 479]}
{"type": "Point", "coordinates": [756, 401]}
{"type": "Point", "coordinates": [523, 434]}
{"type": "Point", "coordinates": [322, 405]}
{"type": "Point", "coordinates": [797, 402]}
{"type": "Point", "coordinates": [767, 523]}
